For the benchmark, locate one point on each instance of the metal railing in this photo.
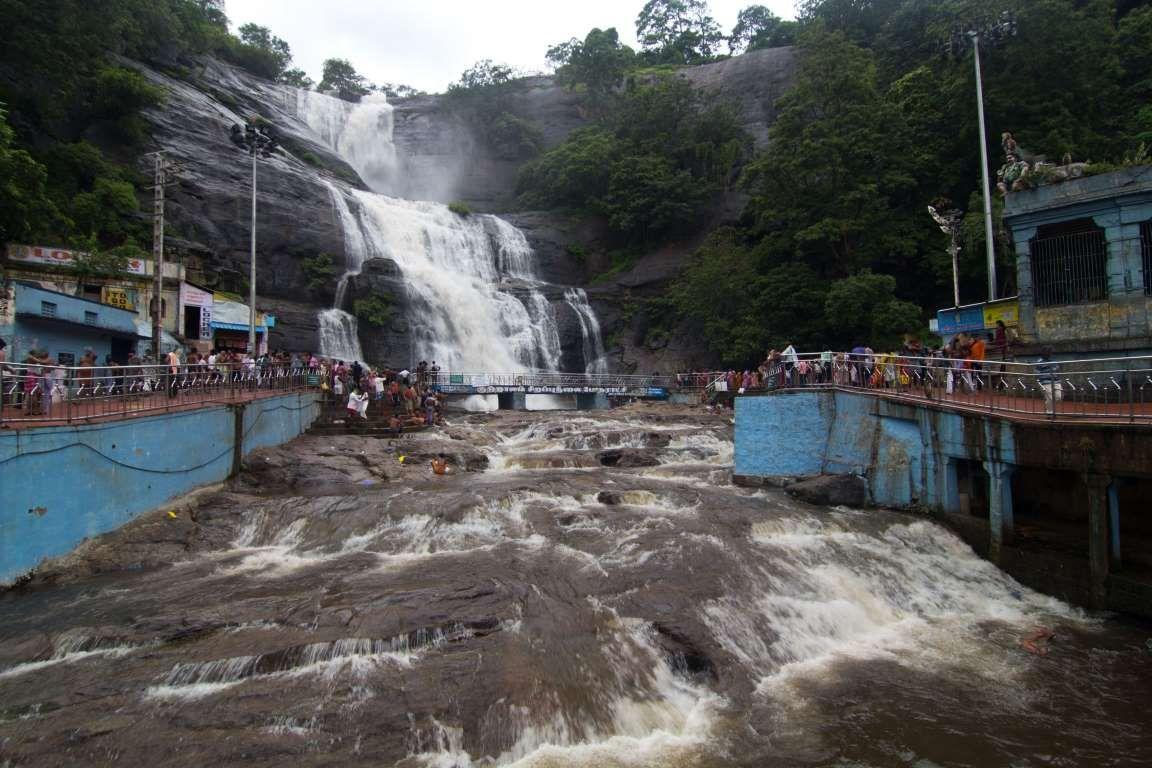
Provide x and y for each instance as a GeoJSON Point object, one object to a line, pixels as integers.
{"type": "Point", "coordinates": [675, 382]}
{"type": "Point", "coordinates": [1106, 390]}
{"type": "Point", "coordinates": [52, 393]}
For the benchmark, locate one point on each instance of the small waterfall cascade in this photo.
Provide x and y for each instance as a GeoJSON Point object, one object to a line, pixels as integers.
{"type": "Point", "coordinates": [595, 359]}
{"type": "Point", "coordinates": [477, 301]}
{"type": "Point", "coordinates": [338, 331]}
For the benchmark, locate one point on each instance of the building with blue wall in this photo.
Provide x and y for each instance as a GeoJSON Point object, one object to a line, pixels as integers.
{"type": "Point", "coordinates": [61, 485]}
{"type": "Point", "coordinates": [1063, 507]}
{"type": "Point", "coordinates": [65, 326]}
{"type": "Point", "coordinates": [1084, 263]}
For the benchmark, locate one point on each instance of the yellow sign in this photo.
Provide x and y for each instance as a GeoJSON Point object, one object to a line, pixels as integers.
{"type": "Point", "coordinates": [116, 297]}
{"type": "Point", "coordinates": [1008, 311]}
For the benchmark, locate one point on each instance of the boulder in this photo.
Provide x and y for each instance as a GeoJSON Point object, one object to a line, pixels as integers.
{"type": "Point", "coordinates": [831, 491]}
{"type": "Point", "coordinates": [627, 458]}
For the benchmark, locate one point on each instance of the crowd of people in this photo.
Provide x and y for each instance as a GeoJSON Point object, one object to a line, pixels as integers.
{"type": "Point", "coordinates": [964, 364]}
{"type": "Point", "coordinates": [409, 399]}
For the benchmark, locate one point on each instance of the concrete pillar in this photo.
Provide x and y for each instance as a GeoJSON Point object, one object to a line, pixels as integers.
{"type": "Point", "coordinates": [1098, 488]}
{"type": "Point", "coordinates": [951, 501]}
{"type": "Point", "coordinates": [1114, 524]}
{"type": "Point", "coordinates": [512, 401]}
{"type": "Point", "coordinates": [237, 438]}
{"type": "Point", "coordinates": [1001, 521]}
{"type": "Point", "coordinates": [1024, 282]}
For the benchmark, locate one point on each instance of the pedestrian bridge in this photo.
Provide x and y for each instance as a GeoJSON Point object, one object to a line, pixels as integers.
{"type": "Point", "coordinates": [549, 383]}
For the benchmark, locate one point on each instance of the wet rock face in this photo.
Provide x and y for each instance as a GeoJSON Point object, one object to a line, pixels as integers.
{"type": "Point", "coordinates": [832, 491]}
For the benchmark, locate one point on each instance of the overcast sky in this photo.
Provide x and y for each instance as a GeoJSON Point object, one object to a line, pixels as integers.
{"type": "Point", "coordinates": [428, 43]}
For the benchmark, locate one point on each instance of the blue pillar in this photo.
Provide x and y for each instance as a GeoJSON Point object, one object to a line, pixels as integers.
{"type": "Point", "coordinates": [1000, 516]}
{"type": "Point", "coordinates": [1024, 283]}
{"type": "Point", "coordinates": [1114, 521]}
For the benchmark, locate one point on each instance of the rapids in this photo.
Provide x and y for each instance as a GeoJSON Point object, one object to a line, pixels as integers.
{"type": "Point", "coordinates": [585, 590]}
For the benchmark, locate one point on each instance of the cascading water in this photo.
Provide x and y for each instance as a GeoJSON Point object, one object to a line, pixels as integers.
{"type": "Point", "coordinates": [360, 132]}
{"type": "Point", "coordinates": [339, 334]}
{"type": "Point", "coordinates": [595, 361]}
{"type": "Point", "coordinates": [476, 301]}
{"type": "Point", "coordinates": [562, 608]}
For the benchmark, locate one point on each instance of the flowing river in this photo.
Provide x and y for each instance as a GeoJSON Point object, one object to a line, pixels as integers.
{"type": "Point", "coordinates": [585, 590]}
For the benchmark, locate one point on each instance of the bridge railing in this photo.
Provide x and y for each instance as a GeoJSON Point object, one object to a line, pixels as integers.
{"type": "Point", "coordinates": [550, 379]}
{"type": "Point", "coordinates": [54, 393]}
{"type": "Point", "coordinates": [1112, 390]}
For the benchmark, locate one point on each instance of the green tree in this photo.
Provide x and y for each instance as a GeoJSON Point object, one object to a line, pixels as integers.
{"type": "Point", "coordinates": [599, 62]}
{"type": "Point", "coordinates": [574, 173]}
{"type": "Point", "coordinates": [677, 31]}
{"type": "Point", "coordinates": [863, 309]}
{"type": "Point", "coordinates": [741, 310]}
{"type": "Point", "coordinates": [375, 310]}
{"type": "Point", "coordinates": [318, 271]}
{"type": "Point", "coordinates": [297, 78]}
{"type": "Point", "coordinates": [822, 192]}
{"type": "Point", "coordinates": [91, 261]}
{"type": "Point", "coordinates": [758, 27]}
{"type": "Point", "coordinates": [648, 198]}
{"type": "Point", "coordinates": [484, 74]}
{"type": "Point", "coordinates": [340, 76]}
{"type": "Point", "coordinates": [104, 212]}
{"type": "Point", "coordinates": [26, 211]}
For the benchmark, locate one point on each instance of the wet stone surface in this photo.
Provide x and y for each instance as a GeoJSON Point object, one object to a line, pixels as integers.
{"type": "Point", "coordinates": [337, 605]}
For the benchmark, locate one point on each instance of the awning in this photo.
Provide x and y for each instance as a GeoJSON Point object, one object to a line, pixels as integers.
{"type": "Point", "coordinates": [167, 340]}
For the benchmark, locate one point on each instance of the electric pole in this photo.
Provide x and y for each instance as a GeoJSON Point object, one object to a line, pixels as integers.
{"type": "Point", "coordinates": [164, 174]}
{"type": "Point", "coordinates": [259, 141]}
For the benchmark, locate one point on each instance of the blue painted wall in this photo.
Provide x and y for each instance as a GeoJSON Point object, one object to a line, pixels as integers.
{"type": "Point", "coordinates": [782, 435]}
{"type": "Point", "coordinates": [59, 485]}
{"type": "Point", "coordinates": [905, 452]}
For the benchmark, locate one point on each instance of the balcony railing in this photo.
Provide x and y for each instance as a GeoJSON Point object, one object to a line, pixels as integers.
{"type": "Point", "coordinates": [56, 394]}
{"type": "Point", "coordinates": [1106, 390]}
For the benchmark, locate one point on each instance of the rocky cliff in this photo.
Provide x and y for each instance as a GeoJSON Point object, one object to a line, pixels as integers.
{"type": "Point", "coordinates": [440, 157]}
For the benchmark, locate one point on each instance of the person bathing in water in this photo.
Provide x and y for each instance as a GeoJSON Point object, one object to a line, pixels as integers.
{"type": "Point", "coordinates": [440, 465]}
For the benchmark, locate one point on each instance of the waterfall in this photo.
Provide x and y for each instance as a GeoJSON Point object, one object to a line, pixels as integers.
{"type": "Point", "coordinates": [338, 330]}
{"type": "Point", "coordinates": [476, 301]}
{"type": "Point", "coordinates": [361, 133]}
{"type": "Point", "coordinates": [595, 359]}
{"type": "Point", "coordinates": [339, 336]}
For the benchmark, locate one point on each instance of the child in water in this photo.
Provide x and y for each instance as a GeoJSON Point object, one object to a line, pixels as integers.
{"type": "Point", "coordinates": [440, 465]}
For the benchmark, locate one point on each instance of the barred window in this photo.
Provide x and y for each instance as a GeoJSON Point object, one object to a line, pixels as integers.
{"type": "Point", "coordinates": [1069, 263]}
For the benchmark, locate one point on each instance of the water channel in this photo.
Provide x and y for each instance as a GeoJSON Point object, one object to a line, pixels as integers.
{"type": "Point", "coordinates": [593, 592]}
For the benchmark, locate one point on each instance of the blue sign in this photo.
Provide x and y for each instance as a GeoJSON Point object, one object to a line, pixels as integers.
{"type": "Point", "coordinates": [960, 320]}
{"type": "Point", "coordinates": [657, 392]}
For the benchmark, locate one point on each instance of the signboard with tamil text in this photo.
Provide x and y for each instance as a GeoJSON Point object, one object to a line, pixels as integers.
{"type": "Point", "coordinates": [61, 257]}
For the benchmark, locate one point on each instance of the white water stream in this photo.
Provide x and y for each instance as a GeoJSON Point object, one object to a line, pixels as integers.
{"type": "Point", "coordinates": [476, 300]}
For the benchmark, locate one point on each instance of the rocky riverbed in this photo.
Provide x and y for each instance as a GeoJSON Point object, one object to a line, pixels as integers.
{"type": "Point", "coordinates": [582, 589]}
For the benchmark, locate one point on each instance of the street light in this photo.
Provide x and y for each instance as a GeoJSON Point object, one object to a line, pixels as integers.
{"type": "Point", "coordinates": [991, 31]}
{"type": "Point", "coordinates": [257, 140]}
{"type": "Point", "coordinates": [949, 222]}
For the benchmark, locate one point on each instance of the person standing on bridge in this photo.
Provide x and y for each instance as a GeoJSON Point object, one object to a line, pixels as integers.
{"type": "Point", "coordinates": [1048, 377]}
{"type": "Point", "coordinates": [173, 371]}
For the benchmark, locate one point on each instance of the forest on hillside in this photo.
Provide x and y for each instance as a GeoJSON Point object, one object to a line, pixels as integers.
{"type": "Point", "coordinates": [834, 245]}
